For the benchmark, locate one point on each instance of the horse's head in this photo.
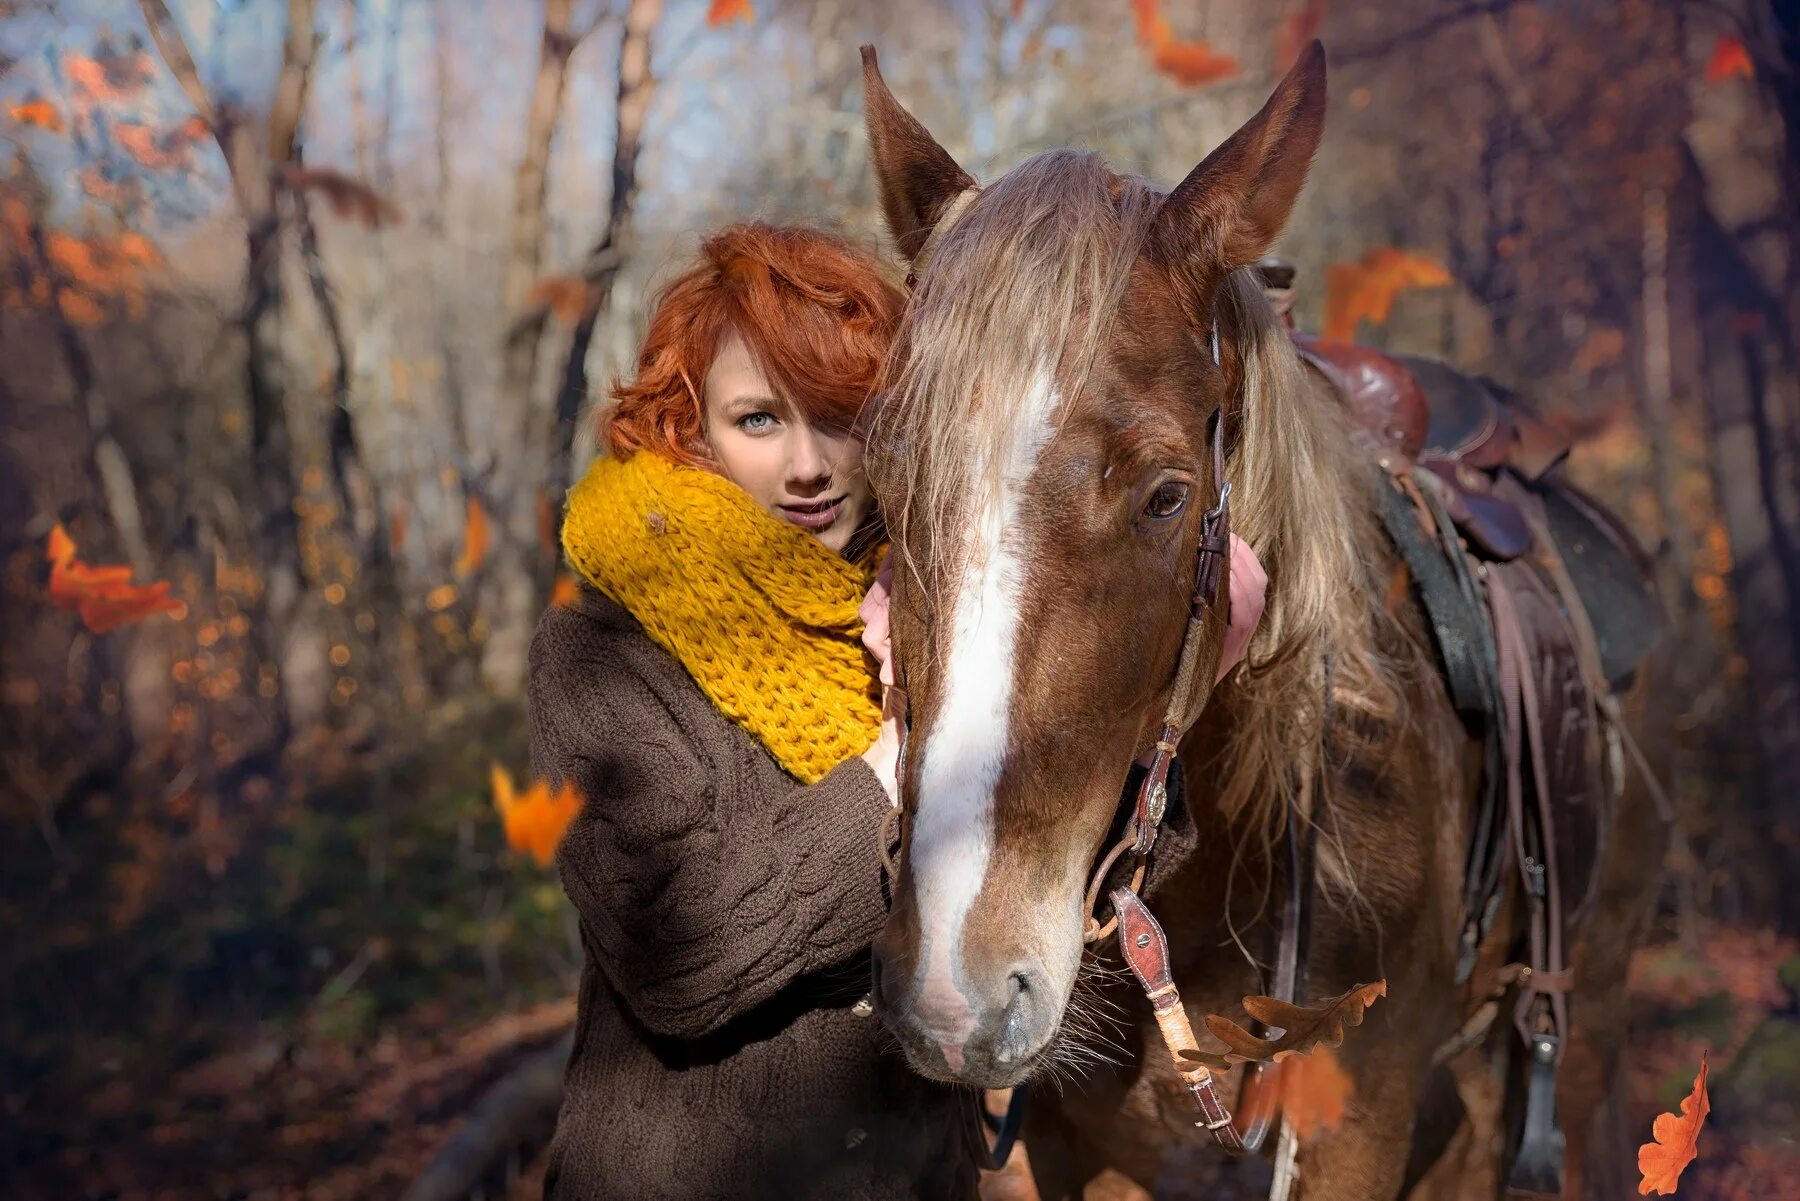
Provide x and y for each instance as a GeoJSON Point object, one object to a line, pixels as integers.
{"type": "Point", "coordinates": [1044, 458]}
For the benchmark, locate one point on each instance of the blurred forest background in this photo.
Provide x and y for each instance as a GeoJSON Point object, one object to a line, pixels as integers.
{"type": "Point", "coordinates": [304, 308]}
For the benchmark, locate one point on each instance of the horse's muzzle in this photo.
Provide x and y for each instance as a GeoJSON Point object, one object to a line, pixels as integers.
{"type": "Point", "coordinates": [988, 1032]}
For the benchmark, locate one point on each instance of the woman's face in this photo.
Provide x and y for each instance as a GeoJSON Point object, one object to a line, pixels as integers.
{"type": "Point", "coordinates": [804, 472]}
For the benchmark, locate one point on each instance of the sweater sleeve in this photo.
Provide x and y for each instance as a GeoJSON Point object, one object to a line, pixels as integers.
{"type": "Point", "coordinates": [704, 889]}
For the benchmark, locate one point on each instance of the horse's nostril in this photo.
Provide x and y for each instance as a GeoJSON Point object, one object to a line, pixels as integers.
{"type": "Point", "coordinates": [1020, 982]}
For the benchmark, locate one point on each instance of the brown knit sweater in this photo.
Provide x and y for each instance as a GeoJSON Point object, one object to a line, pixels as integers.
{"type": "Point", "coordinates": [726, 913]}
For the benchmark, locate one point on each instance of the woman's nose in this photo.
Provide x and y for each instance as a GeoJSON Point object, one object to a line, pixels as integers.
{"type": "Point", "coordinates": [809, 466]}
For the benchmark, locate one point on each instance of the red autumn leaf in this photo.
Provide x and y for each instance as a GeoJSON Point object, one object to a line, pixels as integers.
{"type": "Point", "coordinates": [475, 538]}
{"type": "Point", "coordinates": [1296, 32]}
{"type": "Point", "coordinates": [724, 12]}
{"type": "Point", "coordinates": [1675, 1140]}
{"type": "Point", "coordinates": [535, 819]}
{"type": "Point", "coordinates": [1367, 288]}
{"type": "Point", "coordinates": [567, 296]}
{"type": "Point", "coordinates": [1188, 63]}
{"type": "Point", "coordinates": [105, 597]}
{"type": "Point", "coordinates": [350, 198]}
{"type": "Point", "coordinates": [35, 110]}
{"type": "Point", "coordinates": [1729, 57]}
{"type": "Point", "coordinates": [1315, 1091]}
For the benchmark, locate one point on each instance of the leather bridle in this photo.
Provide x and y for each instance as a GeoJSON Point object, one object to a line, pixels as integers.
{"type": "Point", "coordinates": [1142, 941]}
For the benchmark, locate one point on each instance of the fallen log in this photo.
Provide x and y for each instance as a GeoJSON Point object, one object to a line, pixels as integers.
{"type": "Point", "coordinates": [514, 1119]}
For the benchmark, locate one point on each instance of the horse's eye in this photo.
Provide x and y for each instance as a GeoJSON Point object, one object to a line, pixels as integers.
{"type": "Point", "coordinates": [1167, 501]}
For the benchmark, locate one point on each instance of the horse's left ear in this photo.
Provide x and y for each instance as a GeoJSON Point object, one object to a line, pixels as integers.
{"type": "Point", "coordinates": [916, 177]}
{"type": "Point", "coordinates": [1230, 209]}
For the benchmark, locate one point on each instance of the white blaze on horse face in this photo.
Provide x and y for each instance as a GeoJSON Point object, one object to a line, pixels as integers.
{"type": "Point", "coordinates": [960, 764]}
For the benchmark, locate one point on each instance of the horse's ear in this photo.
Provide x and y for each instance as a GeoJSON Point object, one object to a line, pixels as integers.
{"type": "Point", "coordinates": [917, 177]}
{"type": "Point", "coordinates": [1230, 209]}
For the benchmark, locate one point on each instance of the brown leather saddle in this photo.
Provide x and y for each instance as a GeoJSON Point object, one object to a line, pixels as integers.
{"type": "Point", "coordinates": [1540, 604]}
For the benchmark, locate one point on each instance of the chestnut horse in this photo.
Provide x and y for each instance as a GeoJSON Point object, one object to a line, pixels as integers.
{"type": "Point", "coordinates": [1043, 456]}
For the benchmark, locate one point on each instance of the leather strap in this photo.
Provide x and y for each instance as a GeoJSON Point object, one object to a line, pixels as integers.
{"type": "Point", "coordinates": [1146, 953]}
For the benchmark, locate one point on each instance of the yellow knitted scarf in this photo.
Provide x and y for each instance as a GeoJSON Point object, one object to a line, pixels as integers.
{"type": "Point", "coordinates": [761, 614]}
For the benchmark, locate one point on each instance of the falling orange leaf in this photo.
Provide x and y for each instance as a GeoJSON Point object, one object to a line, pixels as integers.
{"type": "Point", "coordinates": [1729, 57]}
{"type": "Point", "coordinates": [564, 591]}
{"type": "Point", "coordinates": [1675, 1140]}
{"type": "Point", "coordinates": [1188, 63]}
{"type": "Point", "coordinates": [567, 296]}
{"type": "Point", "coordinates": [1296, 32]}
{"type": "Point", "coordinates": [1315, 1090]}
{"type": "Point", "coordinates": [105, 597]}
{"type": "Point", "coordinates": [724, 12]}
{"type": "Point", "coordinates": [350, 198]}
{"type": "Point", "coordinates": [475, 538]}
{"type": "Point", "coordinates": [534, 820]}
{"type": "Point", "coordinates": [1367, 288]}
{"type": "Point", "coordinates": [35, 110]}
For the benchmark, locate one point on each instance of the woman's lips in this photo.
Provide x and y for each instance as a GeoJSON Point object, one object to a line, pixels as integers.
{"type": "Point", "coordinates": [816, 516]}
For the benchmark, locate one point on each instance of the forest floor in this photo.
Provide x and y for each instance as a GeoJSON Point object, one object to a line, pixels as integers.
{"type": "Point", "coordinates": [284, 1029]}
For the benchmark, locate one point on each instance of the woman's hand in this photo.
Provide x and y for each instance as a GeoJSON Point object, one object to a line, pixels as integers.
{"type": "Point", "coordinates": [1249, 586]}
{"type": "Point", "coordinates": [874, 615]}
{"type": "Point", "coordinates": [884, 754]}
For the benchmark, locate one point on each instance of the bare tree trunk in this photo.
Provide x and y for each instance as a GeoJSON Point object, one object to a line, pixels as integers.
{"type": "Point", "coordinates": [515, 593]}
{"type": "Point", "coordinates": [253, 165]}
{"type": "Point", "coordinates": [636, 87]}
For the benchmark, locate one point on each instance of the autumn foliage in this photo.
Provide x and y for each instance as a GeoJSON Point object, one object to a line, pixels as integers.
{"type": "Point", "coordinates": [105, 597]}
{"type": "Point", "coordinates": [536, 818]}
{"type": "Point", "coordinates": [1674, 1140]}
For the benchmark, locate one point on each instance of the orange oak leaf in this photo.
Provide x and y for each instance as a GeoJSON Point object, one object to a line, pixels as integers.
{"type": "Point", "coordinates": [1729, 57]}
{"type": "Point", "coordinates": [105, 597]}
{"type": "Point", "coordinates": [35, 110]}
{"type": "Point", "coordinates": [475, 538]}
{"type": "Point", "coordinates": [566, 296]}
{"type": "Point", "coordinates": [535, 819]}
{"type": "Point", "coordinates": [1296, 32]}
{"type": "Point", "coordinates": [1675, 1140]}
{"type": "Point", "coordinates": [1315, 1090]}
{"type": "Point", "coordinates": [724, 12]}
{"type": "Point", "coordinates": [1367, 288]}
{"type": "Point", "coordinates": [1303, 1027]}
{"type": "Point", "coordinates": [1188, 63]}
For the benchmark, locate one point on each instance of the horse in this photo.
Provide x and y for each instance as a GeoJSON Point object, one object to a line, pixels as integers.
{"type": "Point", "coordinates": [1081, 348]}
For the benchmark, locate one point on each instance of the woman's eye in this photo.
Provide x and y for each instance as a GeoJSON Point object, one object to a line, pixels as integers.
{"type": "Point", "coordinates": [1167, 501]}
{"type": "Point", "coordinates": [756, 423]}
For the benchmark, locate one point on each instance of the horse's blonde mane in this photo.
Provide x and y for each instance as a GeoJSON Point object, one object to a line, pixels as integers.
{"type": "Point", "coordinates": [1299, 497]}
{"type": "Point", "coordinates": [1029, 279]}
{"type": "Point", "coordinates": [1012, 291]}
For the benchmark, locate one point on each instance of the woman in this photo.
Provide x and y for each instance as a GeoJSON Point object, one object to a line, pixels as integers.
{"type": "Point", "coordinates": [708, 696]}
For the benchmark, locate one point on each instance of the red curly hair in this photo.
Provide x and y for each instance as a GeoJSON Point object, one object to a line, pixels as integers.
{"type": "Point", "coordinates": [816, 312]}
